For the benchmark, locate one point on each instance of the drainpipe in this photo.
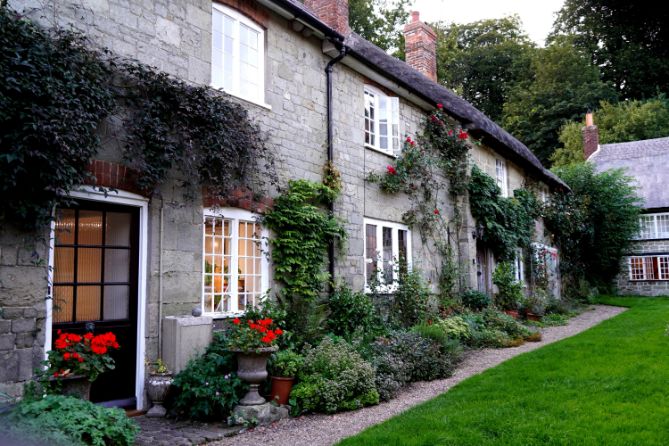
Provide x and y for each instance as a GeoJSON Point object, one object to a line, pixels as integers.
{"type": "Point", "coordinates": [328, 77]}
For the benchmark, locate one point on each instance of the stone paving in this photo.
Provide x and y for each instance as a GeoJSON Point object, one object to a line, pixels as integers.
{"type": "Point", "coordinates": [165, 432]}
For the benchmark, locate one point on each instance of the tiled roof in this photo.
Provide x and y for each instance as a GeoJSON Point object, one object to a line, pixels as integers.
{"type": "Point", "coordinates": [646, 161]}
{"type": "Point", "coordinates": [479, 124]}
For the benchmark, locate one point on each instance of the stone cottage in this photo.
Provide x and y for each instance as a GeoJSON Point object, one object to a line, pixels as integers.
{"type": "Point", "coordinates": [645, 268]}
{"type": "Point", "coordinates": [139, 264]}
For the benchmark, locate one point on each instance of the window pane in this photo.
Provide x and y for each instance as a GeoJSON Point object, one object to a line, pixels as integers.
{"type": "Point", "coordinates": [62, 304]}
{"type": "Point", "coordinates": [90, 228]}
{"type": "Point", "coordinates": [65, 227]}
{"type": "Point", "coordinates": [118, 229]}
{"type": "Point", "coordinates": [383, 123]}
{"type": "Point", "coordinates": [664, 268]}
{"type": "Point", "coordinates": [387, 254]}
{"type": "Point", "coordinates": [650, 268]}
{"type": "Point", "coordinates": [88, 303]}
{"type": "Point", "coordinates": [63, 268]}
{"type": "Point", "coordinates": [117, 299]}
{"type": "Point", "coordinates": [636, 268]}
{"type": "Point", "coordinates": [117, 265]}
{"type": "Point", "coordinates": [370, 252]}
{"type": "Point", "coordinates": [89, 265]}
{"type": "Point", "coordinates": [369, 118]}
{"type": "Point", "coordinates": [662, 226]}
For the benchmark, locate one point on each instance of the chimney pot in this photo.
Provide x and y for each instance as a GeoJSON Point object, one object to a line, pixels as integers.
{"type": "Point", "coordinates": [420, 46]}
{"type": "Point", "coordinates": [589, 119]}
{"type": "Point", "coordinates": [333, 12]}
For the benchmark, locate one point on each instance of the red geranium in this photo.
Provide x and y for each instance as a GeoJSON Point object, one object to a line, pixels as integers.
{"type": "Point", "coordinates": [86, 355]}
{"type": "Point", "coordinates": [253, 335]}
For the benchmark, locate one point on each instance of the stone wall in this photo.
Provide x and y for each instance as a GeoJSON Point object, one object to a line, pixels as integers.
{"type": "Point", "coordinates": [642, 287]}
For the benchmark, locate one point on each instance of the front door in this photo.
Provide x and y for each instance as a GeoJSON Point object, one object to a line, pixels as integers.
{"type": "Point", "coordinates": [95, 286]}
{"type": "Point", "coordinates": [483, 276]}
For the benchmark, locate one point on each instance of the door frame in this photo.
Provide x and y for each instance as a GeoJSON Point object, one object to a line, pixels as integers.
{"type": "Point", "coordinates": [123, 198]}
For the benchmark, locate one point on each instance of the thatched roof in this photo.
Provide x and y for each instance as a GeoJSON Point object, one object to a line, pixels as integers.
{"type": "Point", "coordinates": [479, 125]}
{"type": "Point", "coordinates": [646, 161]}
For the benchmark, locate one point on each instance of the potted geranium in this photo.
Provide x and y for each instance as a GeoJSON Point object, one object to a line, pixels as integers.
{"type": "Point", "coordinates": [284, 367]}
{"type": "Point", "coordinates": [158, 384]}
{"type": "Point", "coordinates": [77, 360]}
{"type": "Point", "coordinates": [253, 341]}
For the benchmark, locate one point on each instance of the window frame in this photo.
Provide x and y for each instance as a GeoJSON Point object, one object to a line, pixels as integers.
{"type": "Point", "coordinates": [395, 227]}
{"type": "Point", "coordinates": [235, 215]}
{"type": "Point", "coordinates": [654, 233]}
{"type": "Point", "coordinates": [519, 266]}
{"type": "Point", "coordinates": [393, 132]}
{"type": "Point", "coordinates": [502, 176]}
{"type": "Point", "coordinates": [240, 18]}
{"type": "Point", "coordinates": [649, 265]}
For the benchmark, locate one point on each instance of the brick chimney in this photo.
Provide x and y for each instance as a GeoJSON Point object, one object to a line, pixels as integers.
{"type": "Point", "coordinates": [333, 12]}
{"type": "Point", "coordinates": [590, 136]}
{"type": "Point", "coordinates": [420, 46]}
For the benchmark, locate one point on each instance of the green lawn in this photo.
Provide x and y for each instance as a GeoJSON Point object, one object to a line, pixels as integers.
{"type": "Point", "coordinates": [607, 386]}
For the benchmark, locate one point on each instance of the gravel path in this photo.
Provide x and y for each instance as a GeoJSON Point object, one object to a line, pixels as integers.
{"type": "Point", "coordinates": [315, 430]}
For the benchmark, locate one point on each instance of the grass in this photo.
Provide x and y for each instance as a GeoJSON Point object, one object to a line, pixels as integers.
{"type": "Point", "coordinates": [606, 386]}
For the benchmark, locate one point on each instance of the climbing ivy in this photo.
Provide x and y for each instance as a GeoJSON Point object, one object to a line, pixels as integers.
{"type": "Point", "coordinates": [507, 223]}
{"type": "Point", "coordinates": [54, 93]}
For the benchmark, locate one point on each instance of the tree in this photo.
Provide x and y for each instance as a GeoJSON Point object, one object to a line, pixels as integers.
{"type": "Point", "coordinates": [483, 60]}
{"type": "Point", "coordinates": [380, 21]}
{"type": "Point", "coordinates": [628, 40]}
{"type": "Point", "coordinates": [622, 122]}
{"type": "Point", "coordinates": [592, 225]}
{"type": "Point", "coordinates": [564, 85]}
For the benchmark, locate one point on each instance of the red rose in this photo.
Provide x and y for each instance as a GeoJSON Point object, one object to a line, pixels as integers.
{"type": "Point", "coordinates": [236, 321]}
{"type": "Point", "coordinates": [436, 212]}
{"type": "Point", "coordinates": [391, 170]}
{"type": "Point", "coordinates": [463, 134]}
{"type": "Point", "coordinates": [67, 356]}
{"type": "Point", "coordinates": [440, 106]}
{"type": "Point", "coordinates": [450, 133]}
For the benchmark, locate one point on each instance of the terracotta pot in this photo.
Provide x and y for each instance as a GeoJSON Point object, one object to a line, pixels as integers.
{"type": "Point", "coordinates": [157, 387]}
{"type": "Point", "coordinates": [252, 368]}
{"type": "Point", "coordinates": [532, 316]}
{"type": "Point", "coordinates": [281, 387]}
{"type": "Point", "coordinates": [512, 313]}
{"type": "Point", "coordinates": [75, 385]}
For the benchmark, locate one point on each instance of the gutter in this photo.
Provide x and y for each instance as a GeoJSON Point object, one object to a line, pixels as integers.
{"type": "Point", "coordinates": [330, 150]}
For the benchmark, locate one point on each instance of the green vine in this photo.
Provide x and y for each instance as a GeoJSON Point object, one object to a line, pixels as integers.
{"type": "Point", "coordinates": [54, 93]}
{"type": "Point", "coordinates": [507, 223]}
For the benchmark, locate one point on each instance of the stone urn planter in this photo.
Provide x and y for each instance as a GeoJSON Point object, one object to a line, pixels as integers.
{"type": "Point", "coordinates": [252, 368]}
{"type": "Point", "coordinates": [157, 387]}
{"type": "Point", "coordinates": [75, 385]}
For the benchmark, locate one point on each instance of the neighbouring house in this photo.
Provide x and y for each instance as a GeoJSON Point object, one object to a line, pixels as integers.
{"type": "Point", "coordinates": [140, 264]}
{"type": "Point", "coordinates": [645, 268]}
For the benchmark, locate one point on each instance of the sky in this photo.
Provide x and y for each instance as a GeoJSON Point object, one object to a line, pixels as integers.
{"type": "Point", "coordinates": [537, 15]}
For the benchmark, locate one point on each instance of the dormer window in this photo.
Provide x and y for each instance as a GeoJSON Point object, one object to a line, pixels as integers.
{"type": "Point", "coordinates": [237, 55]}
{"type": "Point", "coordinates": [382, 121]}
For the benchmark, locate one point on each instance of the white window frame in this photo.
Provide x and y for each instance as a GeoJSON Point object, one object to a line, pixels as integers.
{"type": "Point", "coordinates": [648, 263]}
{"type": "Point", "coordinates": [393, 129]}
{"type": "Point", "coordinates": [238, 18]}
{"type": "Point", "coordinates": [235, 215]}
{"type": "Point", "coordinates": [655, 232]}
{"type": "Point", "coordinates": [385, 287]}
{"type": "Point", "coordinates": [502, 176]}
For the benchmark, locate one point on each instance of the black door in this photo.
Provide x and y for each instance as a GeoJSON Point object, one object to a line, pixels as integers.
{"type": "Point", "coordinates": [95, 286]}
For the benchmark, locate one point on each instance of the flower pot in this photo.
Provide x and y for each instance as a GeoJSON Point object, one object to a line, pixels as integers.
{"type": "Point", "coordinates": [532, 316]}
{"type": "Point", "coordinates": [281, 387]}
{"type": "Point", "coordinates": [157, 387]}
{"type": "Point", "coordinates": [252, 368]}
{"type": "Point", "coordinates": [512, 313]}
{"type": "Point", "coordinates": [75, 385]}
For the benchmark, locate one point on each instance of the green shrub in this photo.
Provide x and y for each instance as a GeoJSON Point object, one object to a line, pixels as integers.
{"type": "Point", "coordinates": [488, 338]}
{"type": "Point", "coordinates": [475, 300]}
{"type": "Point", "coordinates": [455, 327]}
{"type": "Point", "coordinates": [352, 314]}
{"type": "Point", "coordinates": [510, 291]}
{"type": "Point", "coordinates": [62, 420]}
{"type": "Point", "coordinates": [410, 301]}
{"type": "Point", "coordinates": [286, 363]}
{"type": "Point", "coordinates": [435, 333]}
{"type": "Point", "coordinates": [334, 377]}
{"type": "Point", "coordinates": [499, 321]}
{"type": "Point", "coordinates": [554, 319]}
{"type": "Point", "coordinates": [208, 388]}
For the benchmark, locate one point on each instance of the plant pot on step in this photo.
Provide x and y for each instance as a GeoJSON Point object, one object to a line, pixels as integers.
{"type": "Point", "coordinates": [75, 385]}
{"type": "Point", "coordinates": [512, 313]}
{"type": "Point", "coordinates": [281, 387]}
{"type": "Point", "coordinates": [157, 387]}
{"type": "Point", "coordinates": [252, 368]}
{"type": "Point", "coordinates": [532, 316]}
